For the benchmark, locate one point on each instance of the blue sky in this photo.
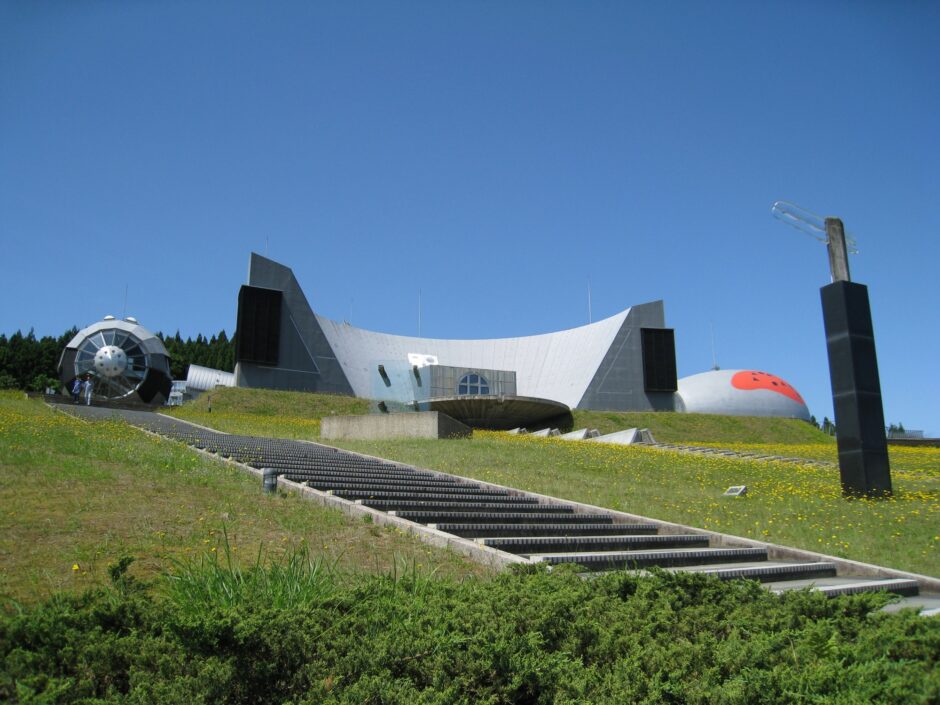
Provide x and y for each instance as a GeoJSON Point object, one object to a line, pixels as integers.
{"type": "Point", "coordinates": [498, 157]}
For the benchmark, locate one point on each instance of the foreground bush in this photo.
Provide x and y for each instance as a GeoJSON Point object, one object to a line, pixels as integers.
{"type": "Point", "coordinates": [525, 637]}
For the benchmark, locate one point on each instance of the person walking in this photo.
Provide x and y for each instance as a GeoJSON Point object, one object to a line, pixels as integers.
{"type": "Point", "coordinates": [87, 387]}
{"type": "Point", "coordinates": [76, 389]}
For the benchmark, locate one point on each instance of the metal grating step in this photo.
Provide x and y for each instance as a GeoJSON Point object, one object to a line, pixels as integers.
{"type": "Point", "coordinates": [644, 559]}
{"type": "Point", "coordinates": [849, 585]}
{"type": "Point", "coordinates": [396, 490]}
{"type": "Point", "coordinates": [532, 545]}
{"type": "Point", "coordinates": [432, 497]}
{"type": "Point", "coordinates": [474, 531]}
{"type": "Point", "coordinates": [362, 478]}
{"type": "Point", "coordinates": [461, 506]}
{"type": "Point", "coordinates": [452, 514]}
{"type": "Point", "coordinates": [767, 571]}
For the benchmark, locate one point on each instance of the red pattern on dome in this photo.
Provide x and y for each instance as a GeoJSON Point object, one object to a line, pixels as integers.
{"type": "Point", "coordinates": [751, 379]}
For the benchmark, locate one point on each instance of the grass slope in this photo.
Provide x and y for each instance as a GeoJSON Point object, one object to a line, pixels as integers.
{"type": "Point", "coordinates": [77, 496]}
{"type": "Point", "coordinates": [298, 414]}
{"type": "Point", "coordinates": [672, 427]}
{"type": "Point", "coordinates": [791, 504]}
{"type": "Point", "coordinates": [267, 412]}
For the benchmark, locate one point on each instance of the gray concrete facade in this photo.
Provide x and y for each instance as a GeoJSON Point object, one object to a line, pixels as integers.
{"type": "Point", "coordinates": [423, 424]}
{"type": "Point", "coordinates": [306, 361]}
{"type": "Point", "coordinates": [618, 383]}
{"type": "Point", "coordinates": [597, 366]}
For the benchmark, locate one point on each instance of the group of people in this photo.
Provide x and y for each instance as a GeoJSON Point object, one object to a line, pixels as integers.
{"type": "Point", "coordinates": [82, 388]}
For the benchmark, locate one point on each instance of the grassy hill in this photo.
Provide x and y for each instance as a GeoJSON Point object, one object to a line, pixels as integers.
{"type": "Point", "coordinates": [77, 496]}
{"type": "Point", "coordinates": [267, 411]}
{"type": "Point", "coordinates": [792, 504]}
{"type": "Point", "coordinates": [672, 427]}
{"type": "Point", "coordinates": [84, 494]}
{"type": "Point", "coordinates": [398, 622]}
{"type": "Point", "coordinates": [298, 414]}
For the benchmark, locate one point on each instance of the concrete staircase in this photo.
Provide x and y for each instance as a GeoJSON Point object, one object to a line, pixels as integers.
{"type": "Point", "coordinates": [524, 527]}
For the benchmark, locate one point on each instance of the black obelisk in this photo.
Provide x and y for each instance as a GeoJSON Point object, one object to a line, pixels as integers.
{"type": "Point", "coordinates": [853, 371]}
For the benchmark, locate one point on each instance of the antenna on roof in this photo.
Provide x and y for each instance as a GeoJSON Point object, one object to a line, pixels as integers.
{"type": "Point", "coordinates": [711, 327]}
{"type": "Point", "coordinates": [266, 238]}
{"type": "Point", "coordinates": [590, 316]}
{"type": "Point", "coordinates": [124, 310]}
{"type": "Point", "coordinates": [419, 313]}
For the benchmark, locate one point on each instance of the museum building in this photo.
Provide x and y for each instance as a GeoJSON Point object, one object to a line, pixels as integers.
{"type": "Point", "coordinates": [623, 363]}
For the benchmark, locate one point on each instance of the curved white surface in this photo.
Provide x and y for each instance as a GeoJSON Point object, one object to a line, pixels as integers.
{"type": "Point", "coordinates": [200, 379]}
{"type": "Point", "coordinates": [714, 393]}
{"type": "Point", "coordinates": [557, 366]}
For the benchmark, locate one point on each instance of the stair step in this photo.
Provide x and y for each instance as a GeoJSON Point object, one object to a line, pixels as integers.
{"type": "Point", "coordinates": [461, 506]}
{"type": "Point", "coordinates": [849, 585]}
{"type": "Point", "coordinates": [530, 545]}
{"type": "Point", "coordinates": [332, 469]}
{"type": "Point", "coordinates": [399, 490]}
{"type": "Point", "coordinates": [767, 571]}
{"type": "Point", "coordinates": [644, 559]}
{"type": "Point", "coordinates": [400, 497]}
{"type": "Point", "coordinates": [451, 514]}
{"type": "Point", "coordinates": [928, 605]}
{"type": "Point", "coordinates": [349, 478]}
{"type": "Point", "coordinates": [474, 531]}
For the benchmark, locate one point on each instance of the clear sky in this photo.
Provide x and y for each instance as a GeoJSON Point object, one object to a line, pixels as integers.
{"type": "Point", "coordinates": [497, 157]}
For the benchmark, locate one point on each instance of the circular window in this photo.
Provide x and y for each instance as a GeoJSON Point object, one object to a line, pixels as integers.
{"type": "Point", "coordinates": [473, 384]}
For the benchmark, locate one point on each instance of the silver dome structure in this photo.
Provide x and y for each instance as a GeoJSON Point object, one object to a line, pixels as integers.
{"type": "Point", "coordinates": [126, 362]}
{"type": "Point", "coordinates": [740, 393]}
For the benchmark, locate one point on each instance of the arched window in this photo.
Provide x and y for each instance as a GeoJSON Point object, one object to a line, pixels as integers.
{"type": "Point", "coordinates": [473, 384]}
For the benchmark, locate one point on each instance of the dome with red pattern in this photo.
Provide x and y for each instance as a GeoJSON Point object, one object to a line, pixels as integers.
{"type": "Point", "coordinates": [740, 393]}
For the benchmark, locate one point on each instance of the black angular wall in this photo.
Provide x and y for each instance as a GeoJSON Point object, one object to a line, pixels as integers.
{"type": "Point", "coordinates": [620, 383]}
{"type": "Point", "coordinates": [856, 390]}
{"type": "Point", "coordinates": [304, 359]}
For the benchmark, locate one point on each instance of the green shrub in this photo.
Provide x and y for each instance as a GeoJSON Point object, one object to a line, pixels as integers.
{"type": "Point", "coordinates": [527, 636]}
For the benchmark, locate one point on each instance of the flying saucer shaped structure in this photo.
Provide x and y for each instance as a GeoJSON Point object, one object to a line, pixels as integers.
{"type": "Point", "coordinates": [124, 360]}
{"type": "Point", "coordinates": [740, 393]}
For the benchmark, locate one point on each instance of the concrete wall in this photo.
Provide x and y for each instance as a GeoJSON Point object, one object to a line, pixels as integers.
{"type": "Point", "coordinates": [306, 360]}
{"type": "Point", "coordinates": [618, 383]}
{"type": "Point", "coordinates": [422, 424]}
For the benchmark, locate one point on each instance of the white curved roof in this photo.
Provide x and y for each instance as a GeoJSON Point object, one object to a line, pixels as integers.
{"type": "Point", "coordinates": [741, 393]}
{"type": "Point", "coordinates": [557, 366]}
{"type": "Point", "coordinates": [148, 341]}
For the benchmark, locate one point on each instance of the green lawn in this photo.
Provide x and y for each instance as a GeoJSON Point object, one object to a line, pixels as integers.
{"type": "Point", "coordinates": [77, 496]}
{"type": "Point", "coordinates": [791, 504]}
{"type": "Point", "coordinates": [672, 427]}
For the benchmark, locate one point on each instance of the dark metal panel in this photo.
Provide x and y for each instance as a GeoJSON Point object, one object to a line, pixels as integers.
{"type": "Point", "coordinates": [659, 359]}
{"type": "Point", "coordinates": [856, 389]}
{"type": "Point", "coordinates": [258, 332]}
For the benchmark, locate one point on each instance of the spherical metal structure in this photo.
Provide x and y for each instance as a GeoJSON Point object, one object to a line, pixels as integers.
{"type": "Point", "coordinates": [124, 361]}
{"type": "Point", "coordinates": [740, 393]}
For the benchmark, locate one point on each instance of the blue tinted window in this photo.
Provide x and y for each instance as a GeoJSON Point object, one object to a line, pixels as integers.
{"type": "Point", "coordinates": [473, 384]}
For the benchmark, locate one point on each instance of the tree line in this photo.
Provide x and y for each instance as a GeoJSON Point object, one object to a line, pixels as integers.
{"type": "Point", "coordinates": [30, 363]}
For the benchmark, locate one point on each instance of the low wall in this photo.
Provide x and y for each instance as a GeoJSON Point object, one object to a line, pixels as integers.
{"type": "Point", "coordinates": [374, 427]}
